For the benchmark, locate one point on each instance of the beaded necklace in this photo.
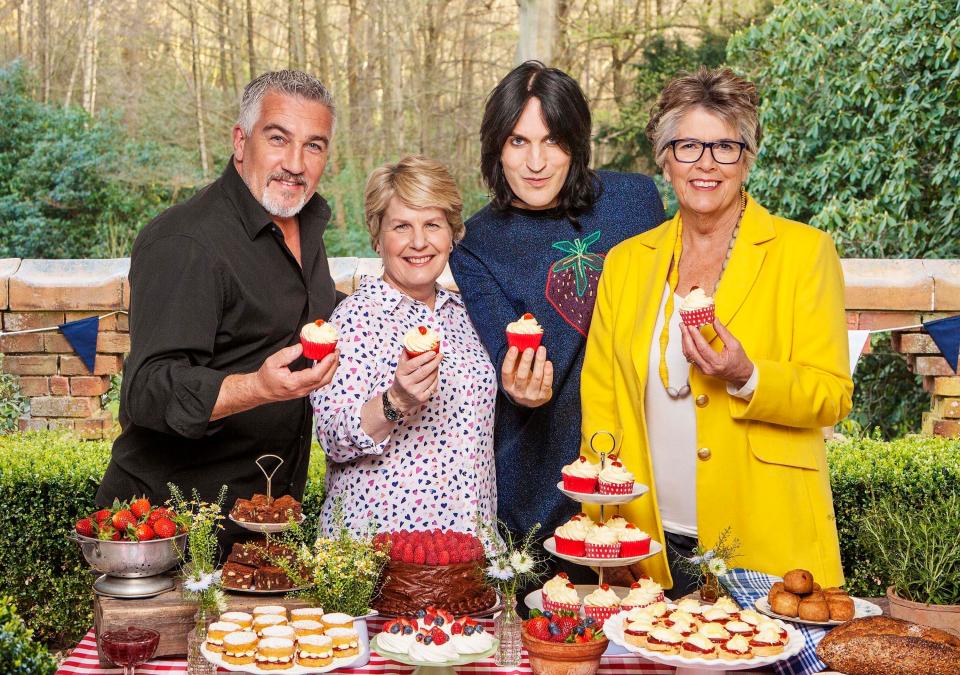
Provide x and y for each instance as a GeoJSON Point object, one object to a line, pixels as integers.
{"type": "Point", "coordinates": [673, 280]}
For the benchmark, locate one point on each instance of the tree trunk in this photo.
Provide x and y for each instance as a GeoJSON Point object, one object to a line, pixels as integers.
{"type": "Point", "coordinates": [251, 54]}
{"type": "Point", "coordinates": [198, 88]}
{"type": "Point", "coordinates": [90, 52]}
{"type": "Point", "coordinates": [323, 41]}
{"type": "Point", "coordinates": [538, 30]}
{"type": "Point", "coordinates": [222, 43]}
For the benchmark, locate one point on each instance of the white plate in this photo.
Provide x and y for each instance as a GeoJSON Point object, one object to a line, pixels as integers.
{"type": "Point", "coordinates": [613, 629]}
{"type": "Point", "coordinates": [217, 659]}
{"type": "Point", "coordinates": [861, 608]}
{"type": "Point", "coordinates": [534, 600]}
{"type": "Point", "coordinates": [551, 546]}
{"type": "Point", "coordinates": [405, 659]}
{"type": "Point", "coordinates": [597, 498]}
{"type": "Point", "coordinates": [265, 528]}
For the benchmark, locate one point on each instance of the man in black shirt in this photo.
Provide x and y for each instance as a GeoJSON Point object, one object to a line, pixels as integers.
{"type": "Point", "coordinates": [221, 285]}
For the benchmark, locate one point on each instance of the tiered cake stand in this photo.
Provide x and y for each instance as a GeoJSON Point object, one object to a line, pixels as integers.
{"type": "Point", "coordinates": [603, 501]}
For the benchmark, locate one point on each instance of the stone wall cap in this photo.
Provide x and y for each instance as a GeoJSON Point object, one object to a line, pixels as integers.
{"type": "Point", "coordinates": [8, 267]}
{"type": "Point", "coordinates": [68, 284]}
{"type": "Point", "coordinates": [887, 284]}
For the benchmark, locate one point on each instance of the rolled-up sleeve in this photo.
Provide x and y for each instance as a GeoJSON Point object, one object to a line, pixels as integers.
{"type": "Point", "coordinates": [175, 309]}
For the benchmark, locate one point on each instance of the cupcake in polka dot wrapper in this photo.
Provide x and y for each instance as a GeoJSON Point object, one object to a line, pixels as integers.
{"type": "Point", "coordinates": [420, 340]}
{"type": "Point", "coordinates": [524, 333]}
{"type": "Point", "coordinates": [601, 604]}
{"type": "Point", "coordinates": [615, 479]}
{"type": "Point", "coordinates": [318, 338]}
{"type": "Point", "coordinates": [697, 308]}
{"type": "Point", "coordinates": [602, 542]}
{"type": "Point", "coordinates": [559, 594]}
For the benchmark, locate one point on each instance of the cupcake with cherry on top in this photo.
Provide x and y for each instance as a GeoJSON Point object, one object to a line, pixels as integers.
{"type": "Point", "coordinates": [580, 475]}
{"type": "Point", "coordinates": [601, 604]}
{"type": "Point", "coordinates": [420, 340]}
{"type": "Point", "coordinates": [570, 538]}
{"type": "Point", "coordinates": [633, 541]}
{"type": "Point", "coordinates": [602, 542]}
{"type": "Point", "coordinates": [559, 594]}
{"type": "Point", "coordinates": [524, 333]}
{"type": "Point", "coordinates": [615, 479]}
{"type": "Point", "coordinates": [318, 338]}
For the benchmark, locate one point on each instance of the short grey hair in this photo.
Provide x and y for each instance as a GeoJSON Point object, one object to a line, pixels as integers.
{"type": "Point", "coordinates": [287, 82]}
{"type": "Point", "coordinates": [721, 92]}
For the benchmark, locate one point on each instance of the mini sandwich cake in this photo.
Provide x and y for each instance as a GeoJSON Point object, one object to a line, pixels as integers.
{"type": "Point", "coordinates": [264, 620]}
{"type": "Point", "coordinates": [740, 628]}
{"type": "Point", "coordinates": [346, 642]}
{"type": "Point", "coordinates": [279, 610]}
{"type": "Point", "coordinates": [307, 627]}
{"type": "Point", "coordinates": [216, 633]}
{"type": "Point", "coordinates": [312, 613]}
{"type": "Point", "coordinates": [715, 615]}
{"type": "Point", "coordinates": [727, 604]}
{"type": "Point", "coordinates": [275, 653]}
{"type": "Point", "coordinates": [240, 649]}
{"type": "Point", "coordinates": [336, 620]}
{"type": "Point", "coordinates": [280, 631]}
{"type": "Point", "coordinates": [315, 651]}
{"type": "Point", "coordinates": [698, 646]}
{"type": "Point", "coordinates": [242, 619]}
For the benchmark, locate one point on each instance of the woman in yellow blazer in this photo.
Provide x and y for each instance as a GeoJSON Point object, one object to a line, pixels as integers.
{"type": "Point", "coordinates": [726, 426]}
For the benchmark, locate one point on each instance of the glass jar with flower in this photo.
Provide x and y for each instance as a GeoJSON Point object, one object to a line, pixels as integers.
{"type": "Point", "coordinates": [709, 564]}
{"type": "Point", "coordinates": [511, 565]}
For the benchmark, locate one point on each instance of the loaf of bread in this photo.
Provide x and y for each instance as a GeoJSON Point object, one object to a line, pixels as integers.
{"type": "Point", "coordinates": [879, 644]}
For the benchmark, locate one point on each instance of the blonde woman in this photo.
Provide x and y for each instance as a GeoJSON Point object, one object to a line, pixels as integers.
{"type": "Point", "coordinates": [409, 441]}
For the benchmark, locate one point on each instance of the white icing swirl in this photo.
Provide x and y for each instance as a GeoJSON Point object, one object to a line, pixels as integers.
{"type": "Point", "coordinates": [602, 598]}
{"type": "Point", "coordinates": [581, 467]}
{"type": "Point", "coordinates": [641, 597]}
{"type": "Point", "coordinates": [701, 641]}
{"type": "Point", "coordinates": [666, 635]}
{"type": "Point", "coordinates": [565, 595]}
{"type": "Point", "coordinates": [555, 584]}
{"type": "Point", "coordinates": [575, 529]}
{"type": "Point", "coordinates": [714, 631]}
{"type": "Point", "coordinates": [525, 326]}
{"type": "Point", "coordinates": [416, 342]}
{"type": "Point", "coordinates": [616, 523]}
{"type": "Point", "coordinates": [320, 331]}
{"type": "Point", "coordinates": [472, 644]}
{"type": "Point", "coordinates": [737, 644]}
{"type": "Point", "coordinates": [432, 653]}
{"type": "Point", "coordinates": [634, 534]}
{"type": "Point", "coordinates": [616, 473]}
{"type": "Point", "coordinates": [603, 536]}
{"type": "Point", "coordinates": [727, 604]}
{"type": "Point", "coordinates": [396, 642]}
{"type": "Point", "coordinates": [696, 299]}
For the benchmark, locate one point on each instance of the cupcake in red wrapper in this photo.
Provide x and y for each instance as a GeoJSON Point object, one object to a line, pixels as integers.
{"type": "Point", "coordinates": [697, 309]}
{"type": "Point", "coordinates": [421, 340]}
{"type": "Point", "coordinates": [524, 333]}
{"type": "Point", "coordinates": [601, 604]}
{"type": "Point", "coordinates": [318, 338]}
{"type": "Point", "coordinates": [602, 542]}
{"type": "Point", "coordinates": [560, 595]}
{"type": "Point", "coordinates": [615, 479]}
{"type": "Point", "coordinates": [580, 475]}
{"type": "Point", "coordinates": [571, 537]}
{"type": "Point", "coordinates": [634, 541]}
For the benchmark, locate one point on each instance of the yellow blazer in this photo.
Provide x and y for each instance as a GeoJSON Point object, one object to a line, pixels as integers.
{"type": "Point", "coordinates": [766, 475]}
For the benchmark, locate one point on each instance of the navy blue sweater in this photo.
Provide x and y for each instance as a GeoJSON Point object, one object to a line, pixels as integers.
{"type": "Point", "coordinates": [536, 261]}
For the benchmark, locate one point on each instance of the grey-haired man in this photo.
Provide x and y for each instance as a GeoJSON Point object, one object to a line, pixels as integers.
{"type": "Point", "coordinates": [221, 285]}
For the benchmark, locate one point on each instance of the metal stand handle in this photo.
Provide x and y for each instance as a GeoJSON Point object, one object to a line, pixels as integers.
{"type": "Point", "coordinates": [269, 476]}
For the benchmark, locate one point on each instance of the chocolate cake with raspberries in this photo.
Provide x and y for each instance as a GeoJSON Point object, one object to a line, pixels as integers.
{"type": "Point", "coordinates": [443, 569]}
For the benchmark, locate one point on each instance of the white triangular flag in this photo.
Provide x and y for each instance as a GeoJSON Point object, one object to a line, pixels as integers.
{"type": "Point", "coordinates": [856, 339]}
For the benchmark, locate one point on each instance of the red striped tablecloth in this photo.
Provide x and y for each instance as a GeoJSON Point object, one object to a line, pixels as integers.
{"type": "Point", "coordinates": [83, 660]}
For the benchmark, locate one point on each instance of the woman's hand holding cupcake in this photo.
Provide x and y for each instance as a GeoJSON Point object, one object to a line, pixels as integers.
{"type": "Point", "coordinates": [730, 364]}
{"type": "Point", "coordinates": [415, 381]}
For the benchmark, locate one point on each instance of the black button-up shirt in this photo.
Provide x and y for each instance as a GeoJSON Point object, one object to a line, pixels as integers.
{"type": "Point", "coordinates": [215, 291]}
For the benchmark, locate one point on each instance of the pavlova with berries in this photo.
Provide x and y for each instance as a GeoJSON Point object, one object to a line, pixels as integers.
{"type": "Point", "coordinates": [434, 636]}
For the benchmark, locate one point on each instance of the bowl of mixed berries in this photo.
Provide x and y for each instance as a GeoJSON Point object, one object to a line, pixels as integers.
{"type": "Point", "coordinates": [563, 643]}
{"type": "Point", "coordinates": [131, 540]}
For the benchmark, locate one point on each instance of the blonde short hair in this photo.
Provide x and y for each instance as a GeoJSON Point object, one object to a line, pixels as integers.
{"type": "Point", "coordinates": [719, 91]}
{"type": "Point", "coordinates": [418, 182]}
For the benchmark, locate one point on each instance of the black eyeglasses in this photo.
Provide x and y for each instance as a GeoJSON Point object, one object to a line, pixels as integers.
{"type": "Point", "coordinates": [690, 150]}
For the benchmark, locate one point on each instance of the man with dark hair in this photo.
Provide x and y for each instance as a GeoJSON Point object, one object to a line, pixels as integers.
{"type": "Point", "coordinates": [221, 285]}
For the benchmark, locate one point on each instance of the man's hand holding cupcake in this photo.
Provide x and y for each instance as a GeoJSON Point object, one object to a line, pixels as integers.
{"type": "Point", "coordinates": [526, 374]}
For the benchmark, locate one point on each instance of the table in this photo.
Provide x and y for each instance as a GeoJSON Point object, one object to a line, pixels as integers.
{"type": "Point", "coordinates": [83, 660]}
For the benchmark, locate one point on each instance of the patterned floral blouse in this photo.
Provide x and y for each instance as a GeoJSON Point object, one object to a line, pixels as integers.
{"type": "Point", "coordinates": [435, 470]}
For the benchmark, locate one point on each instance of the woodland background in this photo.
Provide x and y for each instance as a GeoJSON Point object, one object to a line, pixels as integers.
{"type": "Point", "coordinates": [112, 111]}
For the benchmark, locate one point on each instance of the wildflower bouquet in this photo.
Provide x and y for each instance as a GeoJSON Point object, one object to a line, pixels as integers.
{"type": "Point", "coordinates": [510, 565]}
{"type": "Point", "coordinates": [339, 573]}
{"type": "Point", "coordinates": [201, 579]}
{"type": "Point", "coordinates": [709, 564]}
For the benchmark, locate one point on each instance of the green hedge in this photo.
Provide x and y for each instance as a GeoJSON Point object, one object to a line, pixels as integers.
{"type": "Point", "coordinates": [915, 470]}
{"type": "Point", "coordinates": [19, 653]}
{"type": "Point", "coordinates": [48, 482]}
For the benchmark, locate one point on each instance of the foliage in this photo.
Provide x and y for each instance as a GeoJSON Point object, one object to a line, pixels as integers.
{"type": "Point", "coordinates": [918, 548]}
{"type": "Point", "coordinates": [19, 654]}
{"type": "Point", "coordinates": [710, 562]}
{"type": "Point", "coordinates": [47, 482]}
{"type": "Point", "coordinates": [341, 572]}
{"type": "Point", "coordinates": [13, 403]}
{"type": "Point", "coordinates": [72, 186]}
{"type": "Point", "coordinates": [203, 520]}
{"type": "Point", "coordinates": [860, 121]}
{"type": "Point", "coordinates": [915, 471]}
{"type": "Point", "coordinates": [888, 399]}
{"type": "Point", "coordinates": [512, 565]}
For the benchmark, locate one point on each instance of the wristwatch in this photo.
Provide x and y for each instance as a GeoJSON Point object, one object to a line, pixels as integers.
{"type": "Point", "coordinates": [391, 412]}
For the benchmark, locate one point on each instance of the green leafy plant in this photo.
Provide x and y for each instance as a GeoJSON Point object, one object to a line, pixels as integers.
{"type": "Point", "coordinates": [13, 404]}
{"type": "Point", "coordinates": [19, 653]}
{"type": "Point", "coordinates": [917, 548]}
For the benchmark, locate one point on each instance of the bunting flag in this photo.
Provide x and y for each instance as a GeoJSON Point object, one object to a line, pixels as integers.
{"type": "Point", "coordinates": [856, 339]}
{"type": "Point", "coordinates": [946, 333]}
{"type": "Point", "coordinates": [82, 336]}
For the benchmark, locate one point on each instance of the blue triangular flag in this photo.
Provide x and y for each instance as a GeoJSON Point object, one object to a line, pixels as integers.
{"type": "Point", "coordinates": [82, 336]}
{"type": "Point", "coordinates": [946, 333]}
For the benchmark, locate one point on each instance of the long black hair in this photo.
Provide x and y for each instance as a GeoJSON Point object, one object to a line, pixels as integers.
{"type": "Point", "coordinates": [567, 116]}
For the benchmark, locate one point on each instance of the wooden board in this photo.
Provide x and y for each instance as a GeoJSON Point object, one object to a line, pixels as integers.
{"type": "Point", "coordinates": [170, 615]}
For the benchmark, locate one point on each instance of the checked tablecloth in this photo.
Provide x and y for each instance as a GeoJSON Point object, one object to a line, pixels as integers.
{"type": "Point", "coordinates": [83, 660]}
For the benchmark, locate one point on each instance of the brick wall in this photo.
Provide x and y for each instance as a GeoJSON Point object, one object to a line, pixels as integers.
{"type": "Point", "coordinates": [63, 394]}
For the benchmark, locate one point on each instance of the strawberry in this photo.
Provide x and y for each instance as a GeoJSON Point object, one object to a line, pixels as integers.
{"type": "Point", "coordinates": [122, 518]}
{"type": "Point", "coordinates": [572, 281]}
{"type": "Point", "coordinates": [157, 514]}
{"type": "Point", "coordinates": [539, 627]}
{"type": "Point", "coordinates": [144, 532]}
{"type": "Point", "coordinates": [566, 624]}
{"type": "Point", "coordinates": [85, 527]}
{"type": "Point", "coordinates": [100, 516]}
{"type": "Point", "coordinates": [140, 507]}
{"type": "Point", "coordinates": [419, 556]}
{"type": "Point", "coordinates": [444, 557]}
{"type": "Point", "coordinates": [164, 528]}
{"type": "Point", "coordinates": [455, 556]}
{"type": "Point", "coordinates": [439, 637]}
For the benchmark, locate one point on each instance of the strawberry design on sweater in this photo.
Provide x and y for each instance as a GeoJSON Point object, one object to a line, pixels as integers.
{"type": "Point", "coordinates": [572, 281]}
